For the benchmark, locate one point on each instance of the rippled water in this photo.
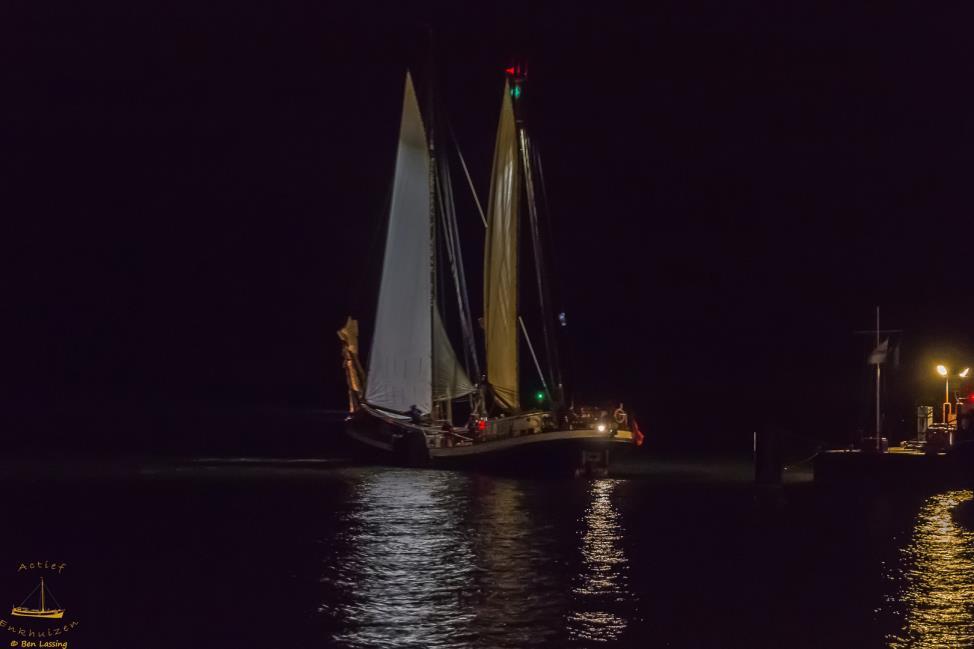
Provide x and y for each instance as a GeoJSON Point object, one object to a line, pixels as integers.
{"type": "Point", "coordinates": [934, 579]}
{"type": "Point", "coordinates": [604, 601]}
{"type": "Point", "coordinates": [377, 557]}
{"type": "Point", "coordinates": [453, 560]}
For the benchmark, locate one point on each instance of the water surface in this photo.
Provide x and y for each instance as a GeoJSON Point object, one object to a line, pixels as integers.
{"type": "Point", "coordinates": [257, 556]}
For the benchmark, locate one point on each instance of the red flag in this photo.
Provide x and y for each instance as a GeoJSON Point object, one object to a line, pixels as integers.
{"type": "Point", "coordinates": [637, 435]}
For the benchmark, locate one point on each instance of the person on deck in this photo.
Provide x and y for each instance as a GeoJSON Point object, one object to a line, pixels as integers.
{"type": "Point", "coordinates": [415, 414]}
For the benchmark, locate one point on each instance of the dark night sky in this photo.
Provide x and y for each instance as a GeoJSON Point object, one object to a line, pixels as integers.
{"type": "Point", "coordinates": [192, 191]}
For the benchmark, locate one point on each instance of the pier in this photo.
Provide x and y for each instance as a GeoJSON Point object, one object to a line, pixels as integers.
{"type": "Point", "coordinates": [900, 467]}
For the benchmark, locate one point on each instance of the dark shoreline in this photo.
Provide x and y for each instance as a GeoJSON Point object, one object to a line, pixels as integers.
{"type": "Point", "coordinates": [714, 471]}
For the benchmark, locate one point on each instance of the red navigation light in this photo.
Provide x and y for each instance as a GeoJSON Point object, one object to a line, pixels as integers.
{"type": "Point", "coordinates": [481, 424]}
{"type": "Point", "coordinates": [510, 71]}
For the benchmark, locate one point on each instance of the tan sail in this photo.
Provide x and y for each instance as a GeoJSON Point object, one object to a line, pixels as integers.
{"type": "Point", "coordinates": [350, 359]}
{"type": "Point", "coordinates": [500, 263]}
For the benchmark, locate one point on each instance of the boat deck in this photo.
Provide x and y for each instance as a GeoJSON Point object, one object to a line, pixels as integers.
{"type": "Point", "coordinates": [500, 444]}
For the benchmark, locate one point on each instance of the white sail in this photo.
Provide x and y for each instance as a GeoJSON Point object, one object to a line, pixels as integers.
{"type": "Point", "coordinates": [449, 379]}
{"type": "Point", "coordinates": [400, 363]}
{"type": "Point", "coordinates": [412, 362]}
{"type": "Point", "coordinates": [500, 263]}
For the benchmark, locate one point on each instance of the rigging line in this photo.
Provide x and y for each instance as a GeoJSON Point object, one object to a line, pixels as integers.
{"type": "Point", "coordinates": [29, 595]}
{"type": "Point", "coordinates": [564, 359]}
{"type": "Point", "coordinates": [441, 289]}
{"type": "Point", "coordinates": [544, 187]}
{"type": "Point", "coordinates": [800, 462]}
{"type": "Point", "coordinates": [449, 242]}
{"type": "Point", "coordinates": [548, 248]}
{"type": "Point", "coordinates": [466, 172]}
{"type": "Point", "coordinates": [376, 245]}
{"type": "Point", "coordinates": [539, 266]}
{"type": "Point", "coordinates": [537, 365]}
{"type": "Point", "coordinates": [51, 595]}
{"type": "Point", "coordinates": [544, 198]}
{"type": "Point", "coordinates": [466, 319]}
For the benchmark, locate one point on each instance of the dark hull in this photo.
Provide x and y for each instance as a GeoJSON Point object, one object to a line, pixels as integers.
{"type": "Point", "coordinates": [376, 440]}
{"type": "Point", "coordinates": [550, 457]}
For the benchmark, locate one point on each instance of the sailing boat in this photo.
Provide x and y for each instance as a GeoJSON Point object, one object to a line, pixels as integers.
{"type": "Point", "coordinates": [43, 611]}
{"type": "Point", "coordinates": [402, 407]}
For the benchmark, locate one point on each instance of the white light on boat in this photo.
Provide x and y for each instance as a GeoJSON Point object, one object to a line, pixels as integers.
{"type": "Point", "coordinates": [941, 370]}
{"type": "Point", "coordinates": [964, 374]}
{"type": "Point", "coordinates": [601, 428]}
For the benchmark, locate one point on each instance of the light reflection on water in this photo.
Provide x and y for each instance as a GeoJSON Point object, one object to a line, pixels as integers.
{"type": "Point", "coordinates": [518, 589]}
{"type": "Point", "coordinates": [602, 589]}
{"type": "Point", "coordinates": [407, 563]}
{"type": "Point", "coordinates": [442, 559]}
{"type": "Point", "coordinates": [937, 578]}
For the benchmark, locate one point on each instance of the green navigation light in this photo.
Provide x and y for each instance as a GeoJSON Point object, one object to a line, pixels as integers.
{"type": "Point", "coordinates": [516, 92]}
{"type": "Point", "coordinates": [539, 396]}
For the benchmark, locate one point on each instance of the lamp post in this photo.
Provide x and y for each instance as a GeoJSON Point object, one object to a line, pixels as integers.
{"type": "Point", "coordinates": [944, 372]}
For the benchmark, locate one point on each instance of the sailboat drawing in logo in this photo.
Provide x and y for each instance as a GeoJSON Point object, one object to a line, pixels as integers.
{"type": "Point", "coordinates": [43, 611]}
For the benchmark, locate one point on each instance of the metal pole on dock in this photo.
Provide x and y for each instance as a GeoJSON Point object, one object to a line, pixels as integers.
{"type": "Point", "coordinates": [879, 446]}
{"type": "Point", "coordinates": [767, 456]}
{"type": "Point", "coordinates": [877, 358]}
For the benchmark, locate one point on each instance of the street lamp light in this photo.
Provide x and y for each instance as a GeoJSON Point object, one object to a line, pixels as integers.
{"type": "Point", "coordinates": [944, 372]}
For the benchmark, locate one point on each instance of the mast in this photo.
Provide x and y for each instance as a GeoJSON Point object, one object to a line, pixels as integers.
{"type": "Point", "coordinates": [448, 380]}
{"type": "Point", "coordinates": [430, 79]}
{"type": "Point", "coordinates": [42, 594]}
{"type": "Point", "coordinates": [544, 299]}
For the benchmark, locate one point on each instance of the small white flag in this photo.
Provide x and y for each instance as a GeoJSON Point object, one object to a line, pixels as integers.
{"type": "Point", "coordinates": [879, 354]}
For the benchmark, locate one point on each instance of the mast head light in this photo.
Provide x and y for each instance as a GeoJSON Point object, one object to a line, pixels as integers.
{"type": "Point", "coordinates": [941, 370]}
{"type": "Point", "coordinates": [600, 428]}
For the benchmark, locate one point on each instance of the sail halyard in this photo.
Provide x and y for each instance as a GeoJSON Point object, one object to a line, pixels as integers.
{"type": "Point", "coordinates": [501, 264]}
